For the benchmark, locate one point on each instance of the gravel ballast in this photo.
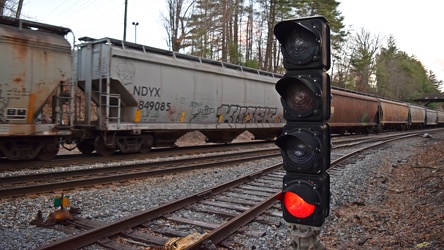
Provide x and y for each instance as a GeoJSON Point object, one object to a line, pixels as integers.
{"type": "Point", "coordinates": [350, 188]}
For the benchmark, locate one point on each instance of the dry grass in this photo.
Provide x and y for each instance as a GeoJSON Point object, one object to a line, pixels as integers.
{"type": "Point", "coordinates": [409, 213]}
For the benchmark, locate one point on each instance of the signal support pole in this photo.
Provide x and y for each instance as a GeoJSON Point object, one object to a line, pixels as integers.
{"type": "Point", "coordinates": [305, 237]}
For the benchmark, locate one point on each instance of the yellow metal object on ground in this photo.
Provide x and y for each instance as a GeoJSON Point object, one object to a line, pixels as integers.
{"type": "Point", "coordinates": [183, 243]}
{"type": "Point", "coordinates": [65, 201]}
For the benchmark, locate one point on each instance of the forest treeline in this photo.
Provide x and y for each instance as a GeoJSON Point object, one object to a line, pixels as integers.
{"type": "Point", "coordinates": [241, 32]}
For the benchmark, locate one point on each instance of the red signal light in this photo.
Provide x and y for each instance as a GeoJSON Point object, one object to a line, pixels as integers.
{"type": "Point", "coordinates": [297, 206]}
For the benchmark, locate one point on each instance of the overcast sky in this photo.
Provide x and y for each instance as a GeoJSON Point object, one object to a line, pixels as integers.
{"type": "Point", "coordinates": [416, 25]}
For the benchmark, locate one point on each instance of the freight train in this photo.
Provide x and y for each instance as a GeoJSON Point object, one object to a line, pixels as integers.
{"type": "Point", "coordinates": [107, 95]}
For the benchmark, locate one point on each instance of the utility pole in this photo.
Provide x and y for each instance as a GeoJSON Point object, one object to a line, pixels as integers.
{"type": "Point", "coordinates": [124, 21]}
{"type": "Point", "coordinates": [19, 9]}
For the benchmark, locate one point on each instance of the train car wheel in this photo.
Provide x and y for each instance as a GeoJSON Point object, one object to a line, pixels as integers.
{"type": "Point", "coordinates": [86, 146]}
{"type": "Point", "coordinates": [102, 149]}
{"type": "Point", "coordinates": [48, 152]}
{"type": "Point", "coordinates": [144, 149]}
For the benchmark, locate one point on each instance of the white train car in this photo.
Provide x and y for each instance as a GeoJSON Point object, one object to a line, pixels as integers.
{"type": "Point", "coordinates": [150, 97]}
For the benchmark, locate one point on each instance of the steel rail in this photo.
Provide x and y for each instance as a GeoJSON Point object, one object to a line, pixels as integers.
{"type": "Point", "coordinates": [67, 184]}
{"type": "Point", "coordinates": [95, 234]}
{"type": "Point", "coordinates": [217, 235]}
{"type": "Point", "coordinates": [233, 225]}
{"type": "Point", "coordinates": [132, 166]}
{"type": "Point", "coordinates": [378, 144]}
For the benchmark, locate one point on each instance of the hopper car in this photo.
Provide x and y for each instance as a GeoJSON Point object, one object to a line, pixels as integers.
{"type": "Point", "coordinates": [393, 115]}
{"type": "Point", "coordinates": [431, 118]}
{"type": "Point", "coordinates": [353, 112]}
{"type": "Point", "coordinates": [416, 117]}
{"type": "Point", "coordinates": [33, 65]}
{"type": "Point", "coordinates": [150, 97]}
{"type": "Point", "coordinates": [107, 95]}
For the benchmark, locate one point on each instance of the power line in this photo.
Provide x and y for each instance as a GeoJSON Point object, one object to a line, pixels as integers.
{"type": "Point", "coordinates": [72, 9]}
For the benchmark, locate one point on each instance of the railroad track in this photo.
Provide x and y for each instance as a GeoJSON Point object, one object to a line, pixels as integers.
{"type": "Point", "coordinates": [249, 195]}
{"type": "Point", "coordinates": [48, 182]}
{"type": "Point", "coordinates": [245, 199]}
{"type": "Point", "coordinates": [66, 179]}
{"type": "Point", "coordinates": [67, 160]}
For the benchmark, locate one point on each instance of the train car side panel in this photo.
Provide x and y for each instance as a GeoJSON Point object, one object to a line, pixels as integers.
{"type": "Point", "coordinates": [432, 118]}
{"type": "Point", "coordinates": [352, 112]}
{"type": "Point", "coordinates": [166, 95]}
{"type": "Point", "coordinates": [393, 115]}
{"type": "Point", "coordinates": [417, 116]}
{"type": "Point", "coordinates": [33, 65]}
{"type": "Point", "coordinates": [440, 118]}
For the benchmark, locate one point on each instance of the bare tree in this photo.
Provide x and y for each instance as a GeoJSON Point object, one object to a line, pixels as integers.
{"type": "Point", "coordinates": [2, 6]}
{"type": "Point", "coordinates": [175, 23]}
{"type": "Point", "coordinates": [363, 58]}
{"type": "Point", "coordinates": [271, 21]}
{"type": "Point", "coordinates": [8, 7]}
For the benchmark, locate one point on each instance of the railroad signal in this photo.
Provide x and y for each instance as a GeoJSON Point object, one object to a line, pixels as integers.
{"type": "Point", "coordinates": [305, 43]}
{"type": "Point", "coordinates": [304, 148]}
{"type": "Point", "coordinates": [306, 100]}
{"type": "Point", "coordinates": [305, 199]}
{"type": "Point", "coordinates": [305, 95]}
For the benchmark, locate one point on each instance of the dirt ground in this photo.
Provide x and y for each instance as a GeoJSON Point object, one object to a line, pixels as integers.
{"type": "Point", "coordinates": [410, 214]}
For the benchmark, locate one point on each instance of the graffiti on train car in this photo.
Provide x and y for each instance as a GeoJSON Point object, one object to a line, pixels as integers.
{"type": "Point", "coordinates": [246, 114]}
{"type": "Point", "coordinates": [364, 117]}
{"type": "Point", "coordinates": [125, 72]}
{"type": "Point", "coordinates": [201, 112]}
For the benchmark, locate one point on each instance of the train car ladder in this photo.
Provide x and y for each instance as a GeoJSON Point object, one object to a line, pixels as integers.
{"type": "Point", "coordinates": [63, 105]}
{"type": "Point", "coordinates": [109, 103]}
{"type": "Point", "coordinates": [110, 108]}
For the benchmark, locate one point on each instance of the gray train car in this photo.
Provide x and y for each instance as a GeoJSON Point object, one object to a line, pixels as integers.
{"type": "Point", "coordinates": [150, 97]}
{"type": "Point", "coordinates": [431, 118]}
{"type": "Point", "coordinates": [35, 63]}
{"type": "Point", "coordinates": [393, 115]}
{"type": "Point", "coordinates": [416, 116]}
{"type": "Point", "coordinates": [440, 118]}
{"type": "Point", "coordinates": [352, 112]}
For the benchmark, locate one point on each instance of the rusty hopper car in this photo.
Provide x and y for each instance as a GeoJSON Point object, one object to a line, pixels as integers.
{"type": "Point", "coordinates": [393, 115]}
{"type": "Point", "coordinates": [352, 112]}
{"type": "Point", "coordinates": [150, 97]}
{"type": "Point", "coordinates": [417, 116]}
{"type": "Point", "coordinates": [35, 62]}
